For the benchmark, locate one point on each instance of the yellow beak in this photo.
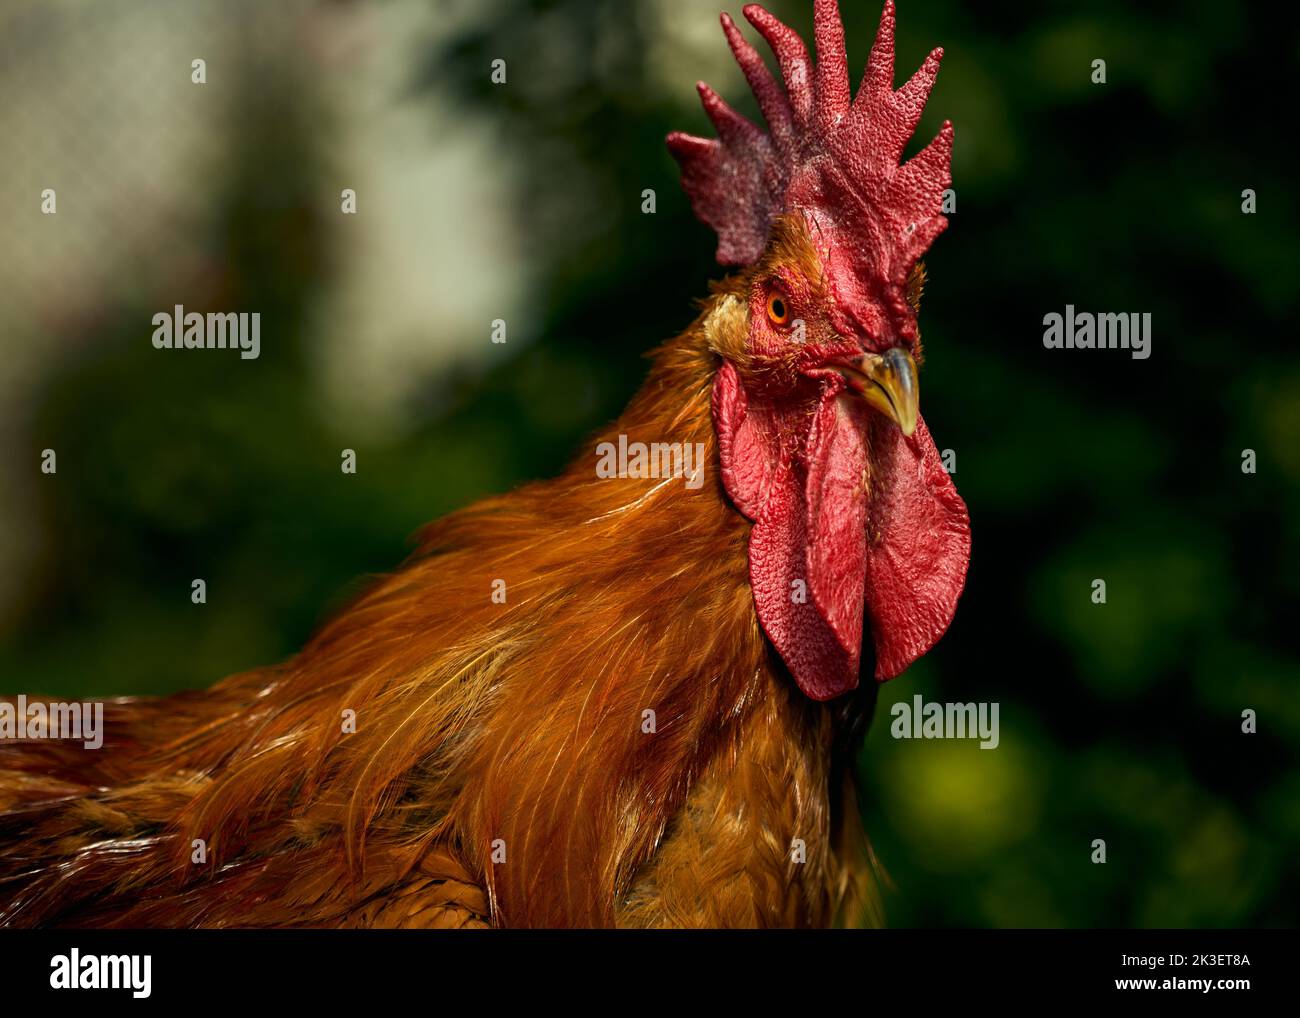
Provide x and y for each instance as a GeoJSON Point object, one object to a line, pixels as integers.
{"type": "Point", "coordinates": [887, 382]}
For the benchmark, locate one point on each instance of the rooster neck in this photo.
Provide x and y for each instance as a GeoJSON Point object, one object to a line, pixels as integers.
{"type": "Point", "coordinates": [646, 679]}
{"type": "Point", "coordinates": [647, 696]}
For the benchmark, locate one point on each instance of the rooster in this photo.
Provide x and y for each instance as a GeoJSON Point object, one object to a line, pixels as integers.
{"type": "Point", "coordinates": [596, 701]}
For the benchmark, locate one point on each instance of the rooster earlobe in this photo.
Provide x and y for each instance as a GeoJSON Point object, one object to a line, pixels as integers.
{"type": "Point", "coordinates": [745, 443]}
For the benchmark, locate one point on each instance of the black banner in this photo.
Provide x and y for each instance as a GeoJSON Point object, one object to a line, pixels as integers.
{"type": "Point", "coordinates": [1162, 968]}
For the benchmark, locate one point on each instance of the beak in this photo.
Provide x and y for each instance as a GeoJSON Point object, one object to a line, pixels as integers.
{"type": "Point", "coordinates": [886, 382]}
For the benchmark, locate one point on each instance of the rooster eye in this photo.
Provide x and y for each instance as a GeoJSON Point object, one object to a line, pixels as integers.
{"type": "Point", "coordinates": [777, 311]}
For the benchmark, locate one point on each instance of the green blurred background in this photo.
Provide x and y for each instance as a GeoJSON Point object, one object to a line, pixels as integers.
{"type": "Point", "coordinates": [522, 202]}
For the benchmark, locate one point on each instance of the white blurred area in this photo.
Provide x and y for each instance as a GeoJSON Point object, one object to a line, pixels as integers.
{"type": "Point", "coordinates": [99, 105]}
{"type": "Point", "coordinates": [433, 254]}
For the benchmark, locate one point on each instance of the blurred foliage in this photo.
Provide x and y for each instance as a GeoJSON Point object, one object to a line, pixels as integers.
{"type": "Point", "coordinates": [1118, 721]}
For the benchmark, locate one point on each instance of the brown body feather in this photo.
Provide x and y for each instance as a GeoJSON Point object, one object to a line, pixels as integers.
{"type": "Point", "coordinates": [499, 773]}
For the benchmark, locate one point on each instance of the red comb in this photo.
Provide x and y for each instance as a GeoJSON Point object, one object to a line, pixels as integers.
{"type": "Point", "coordinates": [832, 156]}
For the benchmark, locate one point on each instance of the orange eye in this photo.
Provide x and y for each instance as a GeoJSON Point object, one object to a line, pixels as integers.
{"type": "Point", "coordinates": [778, 311]}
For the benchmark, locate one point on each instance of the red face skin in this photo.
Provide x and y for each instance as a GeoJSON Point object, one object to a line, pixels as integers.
{"type": "Point", "coordinates": [849, 513]}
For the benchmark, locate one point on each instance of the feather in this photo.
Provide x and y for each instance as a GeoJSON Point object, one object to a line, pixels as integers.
{"type": "Point", "coordinates": [499, 773]}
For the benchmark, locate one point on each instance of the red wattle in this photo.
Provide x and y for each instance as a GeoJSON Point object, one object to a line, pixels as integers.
{"type": "Point", "coordinates": [858, 514]}
{"type": "Point", "coordinates": [918, 545]}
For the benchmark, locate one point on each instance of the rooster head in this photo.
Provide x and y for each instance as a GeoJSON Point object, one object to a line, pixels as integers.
{"type": "Point", "coordinates": [815, 402]}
